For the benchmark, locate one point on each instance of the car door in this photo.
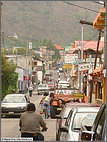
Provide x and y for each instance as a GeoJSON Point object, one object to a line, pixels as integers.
{"type": "Point", "coordinates": [63, 136]}
{"type": "Point", "coordinates": [100, 127]}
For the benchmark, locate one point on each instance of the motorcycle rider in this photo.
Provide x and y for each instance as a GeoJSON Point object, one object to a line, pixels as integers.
{"type": "Point", "coordinates": [30, 123]}
{"type": "Point", "coordinates": [46, 101]}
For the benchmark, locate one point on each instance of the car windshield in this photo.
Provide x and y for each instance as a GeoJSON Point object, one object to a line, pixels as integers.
{"type": "Point", "coordinates": [79, 117]}
{"type": "Point", "coordinates": [89, 119]}
{"type": "Point", "coordinates": [50, 83]}
{"type": "Point", "coordinates": [14, 99]}
{"type": "Point", "coordinates": [65, 112]}
{"type": "Point", "coordinates": [42, 85]}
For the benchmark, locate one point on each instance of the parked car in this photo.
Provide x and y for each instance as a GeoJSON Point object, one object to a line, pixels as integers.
{"type": "Point", "coordinates": [61, 70]}
{"type": "Point", "coordinates": [42, 88]}
{"type": "Point", "coordinates": [14, 104]}
{"type": "Point", "coordinates": [63, 84]}
{"type": "Point", "coordinates": [61, 118]}
{"type": "Point", "coordinates": [70, 131]}
{"type": "Point", "coordinates": [51, 85]}
{"type": "Point", "coordinates": [98, 129]}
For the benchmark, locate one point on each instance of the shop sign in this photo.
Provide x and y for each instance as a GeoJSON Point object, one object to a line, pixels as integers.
{"type": "Point", "coordinates": [84, 66]}
{"type": "Point", "coordinates": [67, 66]}
{"type": "Point", "coordinates": [78, 95]}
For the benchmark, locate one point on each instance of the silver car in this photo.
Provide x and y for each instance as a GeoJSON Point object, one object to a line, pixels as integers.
{"type": "Point", "coordinates": [70, 131]}
{"type": "Point", "coordinates": [14, 104]}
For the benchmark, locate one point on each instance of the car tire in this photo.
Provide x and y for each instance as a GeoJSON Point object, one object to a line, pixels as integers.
{"type": "Point", "coordinates": [52, 112]}
{"type": "Point", "coordinates": [38, 93]}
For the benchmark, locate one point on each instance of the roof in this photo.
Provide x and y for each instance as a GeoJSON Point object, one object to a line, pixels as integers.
{"type": "Point", "coordinates": [87, 109]}
{"type": "Point", "coordinates": [88, 45]}
{"type": "Point", "coordinates": [16, 95]}
{"type": "Point", "coordinates": [82, 104]}
{"type": "Point", "coordinates": [58, 47]}
{"type": "Point", "coordinates": [99, 21]}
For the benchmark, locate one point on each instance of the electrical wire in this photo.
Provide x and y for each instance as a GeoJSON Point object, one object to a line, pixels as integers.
{"type": "Point", "coordinates": [80, 6]}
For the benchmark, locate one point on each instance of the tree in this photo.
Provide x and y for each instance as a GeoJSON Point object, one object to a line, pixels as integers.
{"type": "Point", "coordinates": [9, 77]}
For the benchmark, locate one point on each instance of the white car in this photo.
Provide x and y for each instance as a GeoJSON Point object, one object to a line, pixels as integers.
{"type": "Point", "coordinates": [70, 131]}
{"type": "Point", "coordinates": [14, 104]}
{"type": "Point", "coordinates": [42, 88]}
{"type": "Point", "coordinates": [63, 84]}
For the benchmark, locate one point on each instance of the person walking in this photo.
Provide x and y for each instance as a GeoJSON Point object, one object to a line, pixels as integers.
{"type": "Point", "coordinates": [30, 90]}
{"type": "Point", "coordinates": [30, 123]}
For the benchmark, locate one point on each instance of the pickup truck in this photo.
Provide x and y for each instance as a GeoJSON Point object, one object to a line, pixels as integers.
{"type": "Point", "coordinates": [60, 98]}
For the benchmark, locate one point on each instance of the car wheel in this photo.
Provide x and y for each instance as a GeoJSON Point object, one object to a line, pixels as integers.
{"type": "Point", "coordinates": [52, 112]}
{"type": "Point", "coordinates": [2, 115]}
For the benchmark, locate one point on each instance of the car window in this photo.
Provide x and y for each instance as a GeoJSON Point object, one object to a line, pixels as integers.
{"type": "Point", "coordinates": [89, 119]}
{"type": "Point", "coordinates": [50, 83]}
{"type": "Point", "coordinates": [66, 112]}
{"type": "Point", "coordinates": [43, 85]}
{"type": "Point", "coordinates": [14, 99]}
{"type": "Point", "coordinates": [99, 129]}
{"type": "Point", "coordinates": [68, 120]}
{"type": "Point", "coordinates": [78, 118]}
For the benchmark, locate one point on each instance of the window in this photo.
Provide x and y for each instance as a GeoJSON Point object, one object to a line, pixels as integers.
{"type": "Point", "coordinates": [68, 120]}
{"type": "Point", "coordinates": [100, 126]}
{"type": "Point", "coordinates": [100, 90]}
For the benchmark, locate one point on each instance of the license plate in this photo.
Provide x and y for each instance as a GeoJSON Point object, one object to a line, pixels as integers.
{"type": "Point", "coordinates": [11, 112]}
{"type": "Point", "coordinates": [59, 108]}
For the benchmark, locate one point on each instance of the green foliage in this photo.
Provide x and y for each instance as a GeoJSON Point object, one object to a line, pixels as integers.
{"type": "Point", "coordinates": [9, 77]}
{"type": "Point", "coordinates": [21, 51]}
{"type": "Point", "coordinates": [36, 56]}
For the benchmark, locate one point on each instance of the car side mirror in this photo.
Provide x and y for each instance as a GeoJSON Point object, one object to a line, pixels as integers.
{"type": "Point", "coordinates": [87, 135]}
{"type": "Point", "coordinates": [57, 116]}
{"type": "Point", "coordinates": [64, 129]}
{"type": "Point", "coordinates": [28, 101]}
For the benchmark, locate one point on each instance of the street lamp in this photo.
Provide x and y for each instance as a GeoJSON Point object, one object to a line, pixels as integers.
{"type": "Point", "coordinates": [16, 38]}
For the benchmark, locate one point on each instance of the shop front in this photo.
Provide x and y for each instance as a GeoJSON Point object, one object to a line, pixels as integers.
{"type": "Point", "coordinates": [99, 86]}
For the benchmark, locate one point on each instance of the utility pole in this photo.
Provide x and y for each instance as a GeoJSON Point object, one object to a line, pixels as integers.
{"type": "Point", "coordinates": [82, 58]}
{"type": "Point", "coordinates": [105, 48]}
{"type": "Point", "coordinates": [91, 90]}
{"type": "Point", "coordinates": [79, 57]}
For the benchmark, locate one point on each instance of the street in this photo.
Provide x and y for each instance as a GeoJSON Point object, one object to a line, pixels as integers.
{"type": "Point", "coordinates": [54, 55]}
{"type": "Point", "coordinates": [10, 126]}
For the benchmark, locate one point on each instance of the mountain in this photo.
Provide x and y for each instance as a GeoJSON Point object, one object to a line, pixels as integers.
{"type": "Point", "coordinates": [54, 20]}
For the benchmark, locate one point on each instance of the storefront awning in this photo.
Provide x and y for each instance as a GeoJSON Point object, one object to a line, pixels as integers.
{"type": "Point", "coordinates": [99, 21]}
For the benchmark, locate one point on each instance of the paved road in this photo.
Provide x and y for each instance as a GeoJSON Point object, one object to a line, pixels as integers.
{"type": "Point", "coordinates": [10, 126]}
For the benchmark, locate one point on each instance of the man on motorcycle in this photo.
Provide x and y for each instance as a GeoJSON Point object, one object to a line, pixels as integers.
{"type": "Point", "coordinates": [30, 123]}
{"type": "Point", "coordinates": [46, 101]}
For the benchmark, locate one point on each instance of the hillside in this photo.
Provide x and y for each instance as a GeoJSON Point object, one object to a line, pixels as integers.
{"type": "Point", "coordinates": [54, 20]}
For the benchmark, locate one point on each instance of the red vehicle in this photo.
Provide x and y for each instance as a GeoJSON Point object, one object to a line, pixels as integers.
{"type": "Point", "coordinates": [51, 85]}
{"type": "Point", "coordinates": [61, 97]}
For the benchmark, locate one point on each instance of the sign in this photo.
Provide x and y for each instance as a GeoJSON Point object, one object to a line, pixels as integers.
{"type": "Point", "coordinates": [70, 58]}
{"type": "Point", "coordinates": [78, 95]}
{"type": "Point", "coordinates": [67, 66]}
{"type": "Point", "coordinates": [84, 66]}
{"type": "Point", "coordinates": [30, 45]}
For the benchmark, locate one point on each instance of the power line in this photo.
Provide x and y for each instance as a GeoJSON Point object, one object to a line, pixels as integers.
{"type": "Point", "coordinates": [80, 6]}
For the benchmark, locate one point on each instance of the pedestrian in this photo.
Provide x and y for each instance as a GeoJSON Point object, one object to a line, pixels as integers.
{"type": "Point", "coordinates": [30, 123]}
{"type": "Point", "coordinates": [13, 91]}
{"type": "Point", "coordinates": [30, 90]}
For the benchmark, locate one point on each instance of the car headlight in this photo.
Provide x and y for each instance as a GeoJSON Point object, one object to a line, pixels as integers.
{"type": "Point", "coordinates": [60, 102]}
{"type": "Point", "coordinates": [21, 108]}
{"type": "Point", "coordinates": [3, 107]}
